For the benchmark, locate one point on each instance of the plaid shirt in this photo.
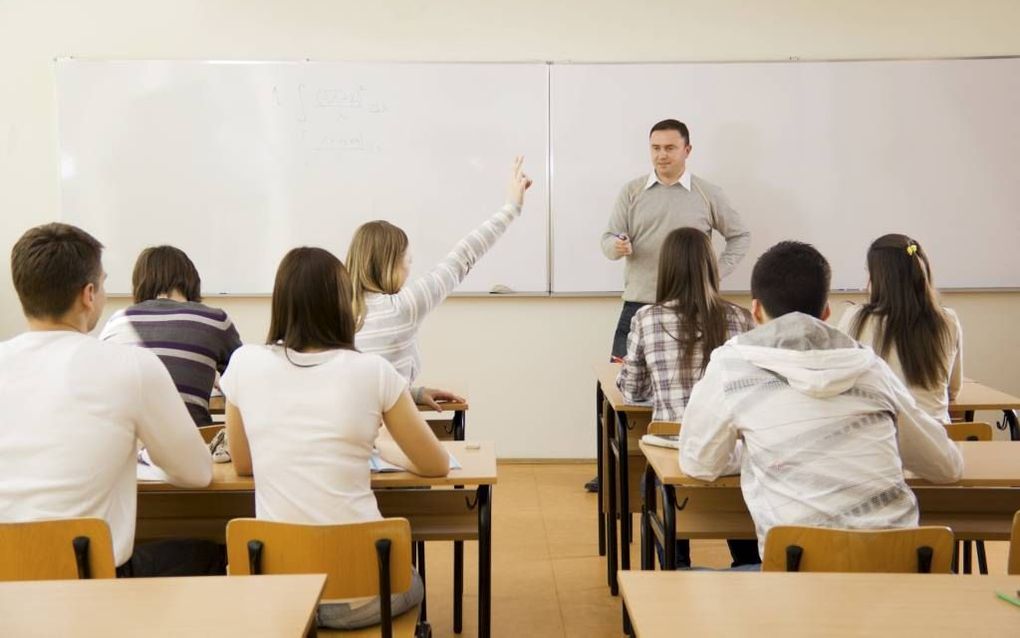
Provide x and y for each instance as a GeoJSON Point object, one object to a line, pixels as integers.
{"type": "Point", "coordinates": [650, 369]}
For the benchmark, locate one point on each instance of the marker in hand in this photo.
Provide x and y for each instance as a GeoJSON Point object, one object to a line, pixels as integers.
{"type": "Point", "coordinates": [623, 247]}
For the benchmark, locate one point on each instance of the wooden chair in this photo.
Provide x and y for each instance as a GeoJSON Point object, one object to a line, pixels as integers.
{"type": "Point", "coordinates": [63, 549]}
{"type": "Point", "coordinates": [359, 560]}
{"type": "Point", "coordinates": [664, 428]}
{"type": "Point", "coordinates": [971, 431]}
{"type": "Point", "coordinates": [1013, 566]}
{"type": "Point", "coordinates": [209, 432]}
{"type": "Point", "coordinates": [817, 549]}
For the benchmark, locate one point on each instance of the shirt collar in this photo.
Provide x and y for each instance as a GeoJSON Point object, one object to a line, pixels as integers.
{"type": "Point", "coordinates": [653, 179]}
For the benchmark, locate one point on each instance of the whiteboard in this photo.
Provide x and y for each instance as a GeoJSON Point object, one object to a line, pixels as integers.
{"type": "Point", "coordinates": [237, 162]}
{"type": "Point", "coordinates": [832, 153]}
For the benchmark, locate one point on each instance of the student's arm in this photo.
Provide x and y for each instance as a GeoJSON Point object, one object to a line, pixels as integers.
{"type": "Point", "coordinates": [237, 440]}
{"type": "Point", "coordinates": [423, 294]}
{"type": "Point", "coordinates": [956, 366]}
{"type": "Point", "coordinates": [619, 224]}
{"type": "Point", "coordinates": [231, 342]}
{"type": "Point", "coordinates": [411, 442]}
{"type": "Point", "coordinates": [110, 327]}
{"type": "Point", "coordinates": [728, 222]}
{"type": "Point", "coordinates": [634, 380]}
{"type": "Point", "coordinates": [708, 437]}
{"type": "Point", "coordinates": [925, 447]}
{"type": "Point", "coordinates": [165, 427]}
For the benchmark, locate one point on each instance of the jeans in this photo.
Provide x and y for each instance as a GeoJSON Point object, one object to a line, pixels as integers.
{"type": "Point", "coordinates": [623, 327]}
{"type": "Point", "coordinates": [344, 616]}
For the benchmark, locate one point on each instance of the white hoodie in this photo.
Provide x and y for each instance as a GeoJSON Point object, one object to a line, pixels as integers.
{"type": "Point", "coordinates": [828, 430]}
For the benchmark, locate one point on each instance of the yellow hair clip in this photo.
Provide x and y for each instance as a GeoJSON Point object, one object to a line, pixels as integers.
{"type": "Point", "coordinates": [911, 249]}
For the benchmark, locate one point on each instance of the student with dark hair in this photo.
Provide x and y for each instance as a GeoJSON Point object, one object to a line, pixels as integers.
{"type": "Point", "coordinates": [671, 341]}
{"type": "Point", "coordinates": [74, 406]}
{"type": "Point", "coordinates": [304, 410]}
{"type": "Point", "coordinates": [905, 324]}
{"type": "Point", "coordinates": [651, 206]}
{"type": "Point", "coordinates": [819, 428]}
{"type": "Point", "coordinates": [194, 341]}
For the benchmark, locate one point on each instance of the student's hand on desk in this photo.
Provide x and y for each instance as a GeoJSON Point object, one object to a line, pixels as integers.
{"type": "Point", "coordinates": [519, 182]}
{"type": "Point", "coordinates": [432, 397]}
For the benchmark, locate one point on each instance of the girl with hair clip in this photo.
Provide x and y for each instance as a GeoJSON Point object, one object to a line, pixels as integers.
{"type": "Point", "coordinates": [670, 342]}
{"type": "Point", "coordinates": [389, 312]}
{"type": "Point", "coordinates": [307, 408]}
{"type": "Point", "coordinates": [905, 324]}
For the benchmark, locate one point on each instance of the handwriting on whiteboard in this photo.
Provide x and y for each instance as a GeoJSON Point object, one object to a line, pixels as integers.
{"type": "Point", "coordinates": [332, 118]}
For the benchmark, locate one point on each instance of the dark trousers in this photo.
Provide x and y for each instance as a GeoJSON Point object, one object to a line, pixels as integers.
{"type": "Point", "coordinates": [175, 557]}
{"type": "Point", "coordinates": [623, 327]}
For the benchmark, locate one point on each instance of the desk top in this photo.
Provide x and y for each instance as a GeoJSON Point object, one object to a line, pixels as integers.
{"type": "Point", "coordinates": [813, 604]}
{"type": "Point", "coordinates": [218, 404]}
{"type": "Point", "coordinates": [606, 375]}
{"type": "Point", "coordinates": [985, 464]}
{"type": "Point", "coordinates": [975, 396]}
{"type": "Point", "coordinates": [221, 606]}
{"type": "Point", "coordinates": [477, 460]}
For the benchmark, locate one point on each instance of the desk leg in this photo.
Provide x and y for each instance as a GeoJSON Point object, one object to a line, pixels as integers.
{"type": "Point", "coordinates": [647, 508]}
{"type": "Point", "coordinates": [668, 526]}
{"type": "Point", "coordinates": [1009, 416]}
{"type": "Point", "coordinates": [458, 586]}
{"type": "Point", "coordinates": [623, 484]}
{"type": "Point", "coordinates": [420, 549]}
{"type": "Point", "coordinates": [610, 484]}
{"type": "Point", "coordinates": [599, 399]}
{"type": "Point", "coordinates": [459, 425]}
{"type": "Point", "coordinates": [484, 561]}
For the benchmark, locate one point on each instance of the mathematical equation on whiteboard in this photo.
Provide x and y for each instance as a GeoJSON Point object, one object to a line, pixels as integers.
{"type": "Point", "coordinates": [333, 120]}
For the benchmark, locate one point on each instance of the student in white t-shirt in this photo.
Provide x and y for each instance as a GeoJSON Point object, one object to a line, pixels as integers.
{"type": "Point", "coordinates": [304, 411]}
{"type": "Point", "coordinates": [903, 322]}
{"type": "Point", "coordinates": [74, 406]}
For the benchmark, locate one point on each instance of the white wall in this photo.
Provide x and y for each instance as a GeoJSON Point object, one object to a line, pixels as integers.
{"type": "Point", "coordinates": [525, 363]}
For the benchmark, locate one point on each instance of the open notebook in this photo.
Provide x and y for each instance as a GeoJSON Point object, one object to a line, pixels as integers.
{"type": "Point", "coordinates": [379, 465]}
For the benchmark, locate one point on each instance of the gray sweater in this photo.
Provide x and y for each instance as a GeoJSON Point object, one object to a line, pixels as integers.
{"type": "Point", "coordinates": [648, 215]}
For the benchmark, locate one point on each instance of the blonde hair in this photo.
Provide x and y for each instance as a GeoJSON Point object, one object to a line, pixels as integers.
{"type": "Point", "coordinates": [372, 261]}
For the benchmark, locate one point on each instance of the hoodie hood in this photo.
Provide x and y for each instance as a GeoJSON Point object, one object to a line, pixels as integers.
{"type": "Point", "coordinates": [812, 356]}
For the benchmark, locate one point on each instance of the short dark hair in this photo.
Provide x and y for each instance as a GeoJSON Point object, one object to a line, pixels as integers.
{"type": "Point", "coordinates": [791, 277]}
{"type": "Point", "coordinates": [159, 270]}
{"type": "Point", "coordinates": [672, 125]}
{"type": "Point", "coordinates": [51, 264]}
{"type": "Point", "coordinates": [311, 305]}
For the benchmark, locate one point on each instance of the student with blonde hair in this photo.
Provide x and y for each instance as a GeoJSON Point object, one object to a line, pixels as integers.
{"type": "Point", "coordinates": [389, 312]}
{"type": "Point", "coordinates": [905, 324]}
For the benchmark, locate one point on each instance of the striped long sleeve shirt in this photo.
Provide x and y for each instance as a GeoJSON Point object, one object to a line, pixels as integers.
{"type": "Point", "coordinates": [391, 321]}
{"type": "Point", "coordinates": [192, 340]}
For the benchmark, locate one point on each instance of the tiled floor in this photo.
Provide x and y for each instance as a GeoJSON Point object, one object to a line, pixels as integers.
{"type": "Point", "coordinates": [548, 579]}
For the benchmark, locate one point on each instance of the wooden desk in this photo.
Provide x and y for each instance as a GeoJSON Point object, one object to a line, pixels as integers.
{"type": "Point", "coordinates": [664, 604]}
{"type": "Point", "coordinates": [978, 507]}
{"type": "Point", "coordinates": [974, 396]}
{"type": "Point", "coordinates": [444, 513]}
{"type": "Point", "coordinates": [221, 606]}
{"type": "Point", "coordinates": [613, 418]}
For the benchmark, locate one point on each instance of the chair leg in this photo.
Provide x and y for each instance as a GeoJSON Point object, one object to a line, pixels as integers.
{"type": "Point", "coordinates": [966, 557]}
{"type": "Point", "coordinates": [982, 559]}
{"type": "Point", "coordinates": [420, 547]}
{"type": "Point", "coordinates": [458, 586]}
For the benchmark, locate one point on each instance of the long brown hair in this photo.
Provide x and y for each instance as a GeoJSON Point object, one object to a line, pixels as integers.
{"type": "Point", "coordinates": [907, 314]}
{"type": "Point", "coordinates": [373, 259]}
{"type": "Point", "coordinates": [159, 270]}
{"type": "Point", "coordinates": [311, 302]}
{"type": "Point", "coordinates": [689, 286]}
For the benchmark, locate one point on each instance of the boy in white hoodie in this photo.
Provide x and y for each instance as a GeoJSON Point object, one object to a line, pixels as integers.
{"type": "Point", "coordinates": [827, 428]}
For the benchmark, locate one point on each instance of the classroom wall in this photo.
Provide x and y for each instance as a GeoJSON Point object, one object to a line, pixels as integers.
{"type": "Point", "coordinates": [524, 362]}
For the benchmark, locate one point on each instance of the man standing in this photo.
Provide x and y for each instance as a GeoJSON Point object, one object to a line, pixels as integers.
{"type": "Point", "coordinates": [651, 206]}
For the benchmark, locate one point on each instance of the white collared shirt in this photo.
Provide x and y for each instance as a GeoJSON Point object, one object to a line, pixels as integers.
{"type": "Point", "coordinates": [653, 179]}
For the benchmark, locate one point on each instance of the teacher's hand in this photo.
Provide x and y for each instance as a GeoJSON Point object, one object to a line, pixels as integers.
{"type": "Point", "coordinates": [622, 246]}
{"type": "Point", "coordinates": [519, 182]}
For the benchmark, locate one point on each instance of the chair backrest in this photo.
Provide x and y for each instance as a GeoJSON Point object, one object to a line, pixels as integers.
{"type": "Point", "coordinates": [818, 549]}
{"type": "Point", "coordinates": [664, 428]}
{"type": "Point", "coordinates": [63, 549]}
{"type": "Point", "coordinates": [969, 431]}
{"type": "Point", "coordinates": [347, 554]}
{"type": "Point", "coordinates": [1013, 566]}
{"type": "Point", "coordinates": [209, 432]}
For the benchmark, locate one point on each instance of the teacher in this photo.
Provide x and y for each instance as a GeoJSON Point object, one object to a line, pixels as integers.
{"type": "Point", "coordinates": [651, 206]}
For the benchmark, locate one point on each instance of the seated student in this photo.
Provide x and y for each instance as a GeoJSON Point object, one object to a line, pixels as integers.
{"type": "Point", "coordinates": [304, 411]}
{"type": "Point", "coordinates": [827, 428]}
{"type": "Point", "coordinates": [904, 323]}
{"type": "Point", "coordinates": [75, 406]}
{"type": "Point", "coordinates": [192, 340]}
{"type": "Point", "coordinates": [670, 342]}
{"type": "Point", "coordinates": [390, 313]}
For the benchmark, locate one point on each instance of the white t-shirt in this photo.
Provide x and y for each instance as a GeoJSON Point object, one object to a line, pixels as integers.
{"type": "Point", "coordinates": [934, 402]}
{"type": "Point", "coordinates": [73, 407]}
{"type": "Point", "coordinates": [311, 429]}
